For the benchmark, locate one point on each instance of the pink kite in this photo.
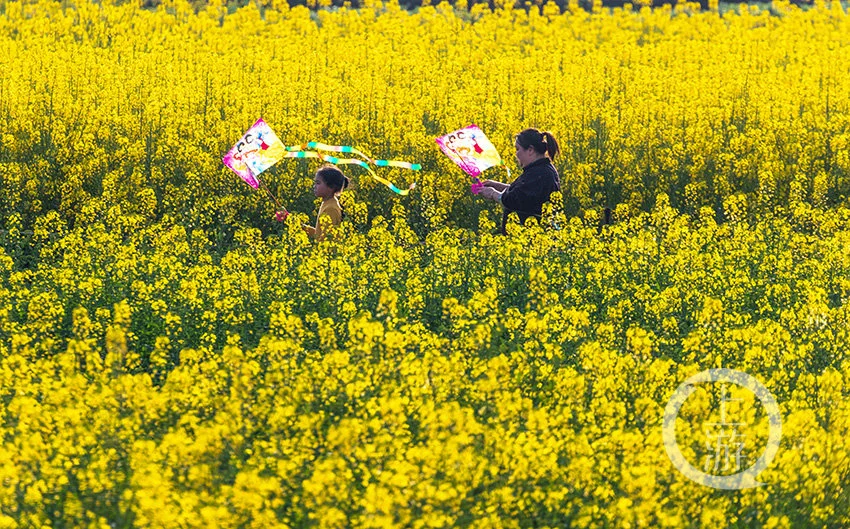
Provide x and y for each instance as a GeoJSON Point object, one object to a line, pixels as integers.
{"type": "Point", "coordinates": [256, 151]}
{"type": "Point", "coordinates": [259, 149]}
{"type": "Point", "coordinates": [470, 149]}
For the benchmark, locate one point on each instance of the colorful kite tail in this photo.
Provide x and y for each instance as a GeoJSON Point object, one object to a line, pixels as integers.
{"type": "Point", "coordinates": [299, 151]}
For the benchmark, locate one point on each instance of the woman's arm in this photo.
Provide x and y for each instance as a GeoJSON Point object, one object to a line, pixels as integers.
{"type": "Point", "coordinates": [491, 194]}
{"type": "Point", "coordinates": [498, 186]}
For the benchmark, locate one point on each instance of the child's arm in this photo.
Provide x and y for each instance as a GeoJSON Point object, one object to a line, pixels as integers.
{"type": "Point", "coordinates": [315, 232]}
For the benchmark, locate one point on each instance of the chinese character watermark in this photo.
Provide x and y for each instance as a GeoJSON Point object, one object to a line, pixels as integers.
{"type": "Point", "coordinates": [722, 436]}
{"type": "Point", "coordinates": [724, 440]}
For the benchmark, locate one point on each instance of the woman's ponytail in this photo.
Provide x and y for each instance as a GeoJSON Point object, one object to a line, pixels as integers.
{"type": "Point", "coordinates": [551, 143]}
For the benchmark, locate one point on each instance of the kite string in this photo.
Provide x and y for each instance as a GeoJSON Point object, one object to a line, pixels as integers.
{"type": "Point", "coordinates": [279, 215]}
{"type": "Point", "coordinates": [503, 164]}
{"type": "Point", "coordinates": [274, 198]}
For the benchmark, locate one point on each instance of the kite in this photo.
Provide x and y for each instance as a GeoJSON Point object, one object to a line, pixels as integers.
{"type": "Point", "coordinates": [311, 150]}
{"type": "Point", "coordinates": [472, 151]}
{"type": "Point", "coordinates": [256, 151]}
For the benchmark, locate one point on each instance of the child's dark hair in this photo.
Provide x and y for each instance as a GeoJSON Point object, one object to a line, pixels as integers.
{"type": "Point", "coordinates": [333, 177]}
{"type": "Point", "coordinates": [541, 141]}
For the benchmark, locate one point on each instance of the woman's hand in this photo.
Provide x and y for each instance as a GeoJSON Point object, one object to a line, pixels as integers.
{"type": "Point", "coordinates": [498, 186]}
{"type": "Point", "coordinates": [490, 193]}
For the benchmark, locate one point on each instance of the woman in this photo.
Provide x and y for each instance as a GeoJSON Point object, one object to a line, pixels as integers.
{"type": "Point", "coordinates": [535, 151]}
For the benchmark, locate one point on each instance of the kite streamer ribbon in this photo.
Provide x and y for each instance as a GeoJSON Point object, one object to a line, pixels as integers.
{"type": "Point", "coordinates": [349, 161]}
{"type": "Point", "coordinates": [309, 150]}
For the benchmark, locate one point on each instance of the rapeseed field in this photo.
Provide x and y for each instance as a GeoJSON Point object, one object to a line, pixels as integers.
{"type": "Point", "coordinates": [173, 356]}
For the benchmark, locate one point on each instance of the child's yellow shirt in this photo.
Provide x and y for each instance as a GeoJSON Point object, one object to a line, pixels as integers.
{"type": "Point", "coordinates": [332, 209]}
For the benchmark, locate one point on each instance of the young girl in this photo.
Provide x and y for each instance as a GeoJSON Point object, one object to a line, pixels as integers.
{"type": "Point", "coordinates": [327, 184]}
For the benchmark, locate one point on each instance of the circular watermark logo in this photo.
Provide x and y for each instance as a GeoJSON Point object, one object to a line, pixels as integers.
{"type": "Point", "coordinates": [741, 480]}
